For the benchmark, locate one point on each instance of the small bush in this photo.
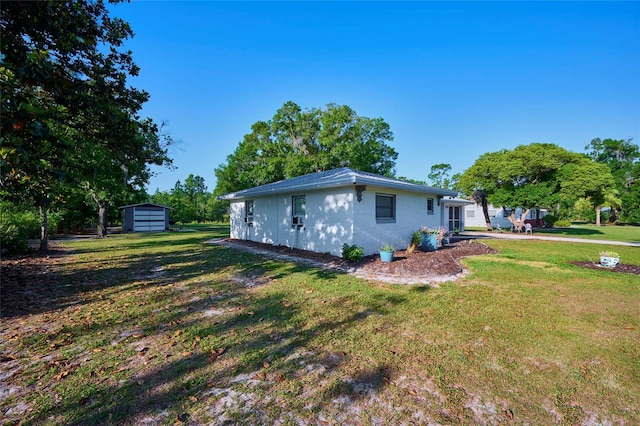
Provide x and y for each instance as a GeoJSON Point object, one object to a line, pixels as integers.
{"type": "Point", "coordinates": [563, 223]}
{"type": "Point", "coordinates": [352, 253]}
{"type": "Point", "coordinates": [549, 220]}
{"type": "Point", "coordinates": [416, 237]}
{"type": "Point", "coordinates": [16, 227]}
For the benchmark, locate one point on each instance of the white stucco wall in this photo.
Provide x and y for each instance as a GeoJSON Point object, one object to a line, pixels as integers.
{"type": "Point", "coordinates": [411, 214]}
{"type": "Point", "coordinates": [328, 223]}
{"type": "Point", "coordinates": [334, 217]}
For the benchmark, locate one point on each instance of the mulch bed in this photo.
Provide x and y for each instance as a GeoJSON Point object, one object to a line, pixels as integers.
{"type": "Point", "coordinates": [621, 267]}
{"type": "Point", "coordinates": [441, 262]}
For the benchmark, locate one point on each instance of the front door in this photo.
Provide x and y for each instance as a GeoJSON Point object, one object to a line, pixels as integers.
{"type": "Point", "coordinates": [454, 218]}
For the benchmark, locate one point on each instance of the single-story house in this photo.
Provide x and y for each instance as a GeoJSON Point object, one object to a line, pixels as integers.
{"type": "Point", "coordinates": [145, 217]}
{"type": "Point", "coordinates": [499, 216]}
{"type": "Point", "coordinates": [322, 211]}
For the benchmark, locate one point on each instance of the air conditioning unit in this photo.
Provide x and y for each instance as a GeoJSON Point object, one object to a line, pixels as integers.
{"type": "Point", "coordinates": [297, 220]}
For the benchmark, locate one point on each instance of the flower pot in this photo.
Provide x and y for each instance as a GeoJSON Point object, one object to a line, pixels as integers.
{"type": "Point", "coordinates": [430, 242]}
{"type": "Point", "coordinates": [386, 256]}
{"type": "Point", "coordinates": [608, 261]}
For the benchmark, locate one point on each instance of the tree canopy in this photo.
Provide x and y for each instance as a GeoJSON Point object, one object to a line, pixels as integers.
{"type": "Point", "coordinates": [296, 142]}
{"type": "Point", "coordinates": [70, 117]}
{"type": "Point", "coordinates": [623, 159]}
{"type": "Point", "coordinates": [536, 175]}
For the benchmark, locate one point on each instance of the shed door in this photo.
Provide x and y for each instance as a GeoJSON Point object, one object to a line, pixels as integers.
{"type": "Point", "coordinates": [148, 219]}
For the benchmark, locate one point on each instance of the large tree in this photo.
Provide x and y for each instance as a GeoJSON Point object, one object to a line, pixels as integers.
{"type": "Point", "coordinates": [67, 104]}
{"type": "Point", "coordinates": [592, 181]}
{"type": "Point", "coordinates": [532, 176]}
{"type": "Point", "coordinates": [295, 142]}
{"type": "Point", "coordinates": [623, 159]}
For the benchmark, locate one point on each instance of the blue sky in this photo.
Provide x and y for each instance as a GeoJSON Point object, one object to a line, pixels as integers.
{"type": "Point", "coordinates": [453, 79]}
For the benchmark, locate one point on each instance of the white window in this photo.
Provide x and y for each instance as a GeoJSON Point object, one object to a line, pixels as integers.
{"type": "Point", "coordinates": [385, 208]}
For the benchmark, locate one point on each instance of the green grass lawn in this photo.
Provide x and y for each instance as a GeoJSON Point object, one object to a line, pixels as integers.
{"type": "Point", "coordinates": [160, 328]}
{"type": "Point", "coordinates": [625, 233]}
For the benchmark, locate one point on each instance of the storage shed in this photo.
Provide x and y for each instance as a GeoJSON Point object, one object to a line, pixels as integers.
{"type": "Point", "coordinates": [145, 217]}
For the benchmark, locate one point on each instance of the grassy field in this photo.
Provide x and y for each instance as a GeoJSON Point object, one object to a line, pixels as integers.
{"type": "Point", "coordinates": [627, 233]}
{"type": "Point", "coordinates": [162, 329]}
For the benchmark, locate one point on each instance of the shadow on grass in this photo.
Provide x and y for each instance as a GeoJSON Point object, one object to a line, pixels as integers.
{"type": "Point", "coordinates": [191, 377]}
{"type": "Point", "coordinates": [569, 232]}
{"type": "Point", "coordinates": [261, 329]}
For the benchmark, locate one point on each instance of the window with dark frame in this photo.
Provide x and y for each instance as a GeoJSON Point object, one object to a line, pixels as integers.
{"type": "Point", "coordinates": [430, 209]}
{"type": "Point", "coordinates": [385, 208]}
{"type": "Point", "coordinates": [248, 211]}
{"type": "Point", "coordinates": [299, 206]}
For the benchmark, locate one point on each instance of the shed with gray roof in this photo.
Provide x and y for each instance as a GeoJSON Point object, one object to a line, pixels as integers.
{"type": "Point", "coordinates": [145, 217]}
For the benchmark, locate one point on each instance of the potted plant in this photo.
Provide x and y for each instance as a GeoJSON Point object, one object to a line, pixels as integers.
{"type": "Point", "coordinates": [386, 252]}
{"type": "Point", "coordinates": [432, 237]}
{"type": "Point", "coordinates": [609, 259]}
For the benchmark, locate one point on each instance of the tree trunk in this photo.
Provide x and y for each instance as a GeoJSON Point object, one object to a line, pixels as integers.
{"type": "Point", "coordinates": [103, 209]}
{"type": "Point", "coordinates": [485, 211]}
{"type": "Point", "coordinates": [44, 230]}
{"type": "Point", "coordinates": [518, 224]}
{"type": "Point", "coordinates": [597, 215]}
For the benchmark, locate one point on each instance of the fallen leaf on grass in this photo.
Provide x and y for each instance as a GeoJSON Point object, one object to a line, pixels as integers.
{"type": "Point", "coordinates": [509, 413]}
{"type": "Point", "coordinates": [193, 398]}
{"type": "Point", "coordinates": [216, 353]}
{"type": "Point", "coordinates": [61, 375]}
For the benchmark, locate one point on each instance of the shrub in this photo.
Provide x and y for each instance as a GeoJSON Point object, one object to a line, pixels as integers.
{"type": "Point", "coordinates": [564, 223]}
{"type": "Point", "coordinates": [16, 227]}
{"type": "Point", "coordinates": [416, 237]}
{"type": "Point", "coordinates": [352, 253]}
{"type": "Point", "coordinates": [549, 220]}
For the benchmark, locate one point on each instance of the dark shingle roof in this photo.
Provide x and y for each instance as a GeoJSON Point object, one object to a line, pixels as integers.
{"type": "Point", "coordinates": [331, 179]}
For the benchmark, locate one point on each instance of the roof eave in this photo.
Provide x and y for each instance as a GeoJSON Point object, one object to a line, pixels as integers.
{"type": "Point", "coordinates": [348, 181]}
